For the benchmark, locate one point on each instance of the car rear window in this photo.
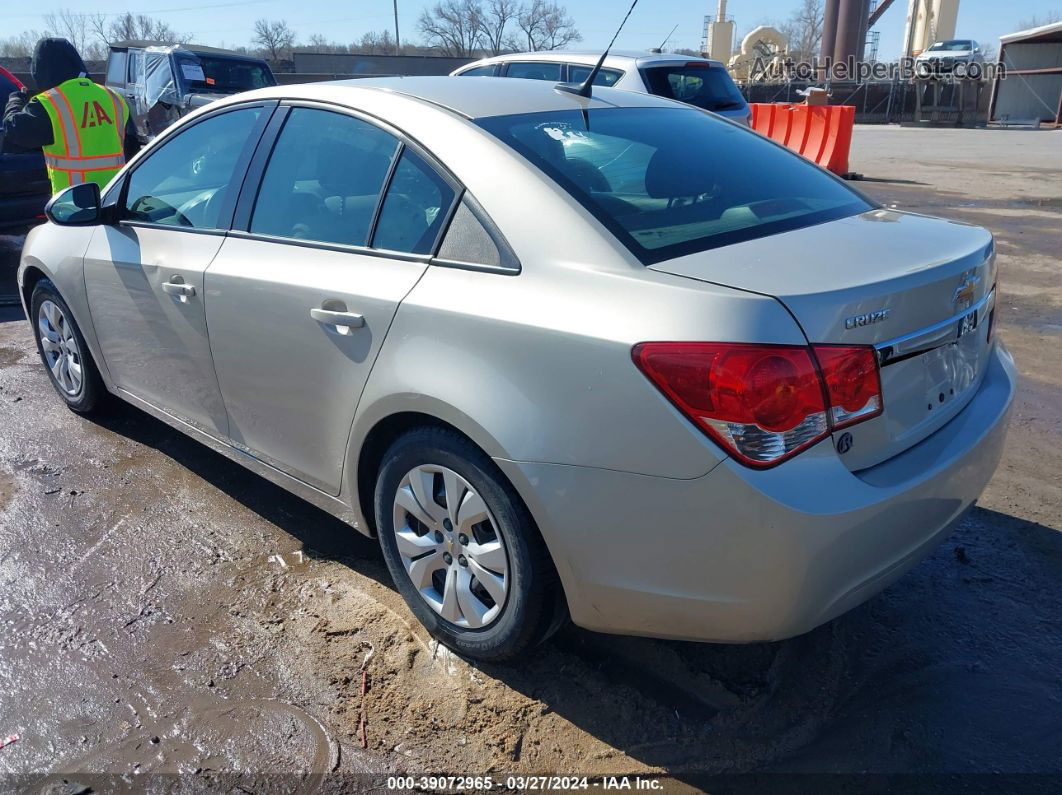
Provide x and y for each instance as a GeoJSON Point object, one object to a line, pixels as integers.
{"type": "Point", "coordinates": [672, 181]}
{"type": "Point", "coordinates": [708, 87]}
{"type": "Point", "coordinates": [225, 75]}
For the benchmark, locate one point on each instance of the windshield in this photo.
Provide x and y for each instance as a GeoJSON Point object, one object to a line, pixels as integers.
{"type": "Point", "coordinates": [673, 181]}
{"type": "Point", "coordinates": [708, 87]}
{"type": "Point", "coordinates": [952, 46]}
{"type": "Point", "coordinates": [223, 75]}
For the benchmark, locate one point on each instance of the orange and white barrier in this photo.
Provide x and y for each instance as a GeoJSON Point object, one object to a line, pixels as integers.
{"type": "Point", "coordinates": [822, 134]}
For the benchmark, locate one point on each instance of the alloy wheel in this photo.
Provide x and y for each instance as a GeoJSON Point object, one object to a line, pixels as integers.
{"type": "Point", "coordinates": [59, 344]}
{"type": "Point", "coordinates": [450, 546]}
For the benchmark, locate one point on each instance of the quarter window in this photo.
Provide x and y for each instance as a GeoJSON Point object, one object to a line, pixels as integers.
{"type": "Point", "coordinates": [324, 179]}
{"type": "Point", "coordinates": [186, 180]}
{"type": "Point", "coordinates": [480, 71]}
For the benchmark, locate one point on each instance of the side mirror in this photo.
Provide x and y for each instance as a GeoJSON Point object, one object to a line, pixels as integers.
{"type": "Point", "coordinates": [78, 205]}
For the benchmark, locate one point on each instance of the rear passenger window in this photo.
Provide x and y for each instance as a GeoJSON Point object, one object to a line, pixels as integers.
{"type": "Point", "coordinates": [578, 73]}
{"type": "Point", "coordinates": [417, 203]}
{"type": "Point", "coordinates": [535, 71]}
{"type": "Point", "coordinates": [480, 71]}
{"type": "Point", "coordinates": [324, 179]}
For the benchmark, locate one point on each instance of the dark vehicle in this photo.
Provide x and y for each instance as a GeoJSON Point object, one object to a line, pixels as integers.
{"type": "Point", "coordinates": [24, 186]}
{"type": "Point", "coordinates": [163, 82]}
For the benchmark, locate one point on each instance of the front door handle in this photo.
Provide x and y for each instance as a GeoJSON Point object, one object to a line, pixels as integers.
{"type": "Point", "coordinates": [331, 317]}
{"type": "Point", "coordinates": [178, 288]}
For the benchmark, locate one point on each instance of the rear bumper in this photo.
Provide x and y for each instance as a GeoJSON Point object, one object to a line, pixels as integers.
{"type": "Point", "coordinates": [740, 555]}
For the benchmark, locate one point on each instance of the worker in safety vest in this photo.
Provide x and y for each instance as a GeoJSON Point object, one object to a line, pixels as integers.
{"type": "Point", "coordinates": [84, 129]}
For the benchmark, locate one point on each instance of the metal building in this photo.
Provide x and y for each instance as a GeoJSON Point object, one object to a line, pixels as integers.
{"type": "Point", "coordinates": [1032, 87]}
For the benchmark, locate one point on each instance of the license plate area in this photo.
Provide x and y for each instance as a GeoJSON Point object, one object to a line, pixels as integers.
{"type": "Point", "coordinates": [967, 325]}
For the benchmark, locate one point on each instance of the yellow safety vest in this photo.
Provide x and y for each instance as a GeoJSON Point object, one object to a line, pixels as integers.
{"type": "Point", "coordinates": [88, 133]}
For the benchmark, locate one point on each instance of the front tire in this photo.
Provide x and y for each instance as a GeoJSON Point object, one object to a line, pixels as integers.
{"type": "Point", "coordinates": [462, 548]}
{"type": "Point", "coordinates": [63, 351]}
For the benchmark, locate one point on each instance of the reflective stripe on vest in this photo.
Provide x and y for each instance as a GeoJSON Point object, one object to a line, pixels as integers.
{"type": "Point", "coordinates": [89, 148]}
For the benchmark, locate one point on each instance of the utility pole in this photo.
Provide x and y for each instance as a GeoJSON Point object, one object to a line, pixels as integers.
{"type": "Point", "coordinates": [398, 44]}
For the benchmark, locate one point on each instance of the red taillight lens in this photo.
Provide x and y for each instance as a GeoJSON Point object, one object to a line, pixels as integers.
{"type": "Point", "coordinates": [852, 384]}
{"type": "Point", "coordinates": [764, 403]}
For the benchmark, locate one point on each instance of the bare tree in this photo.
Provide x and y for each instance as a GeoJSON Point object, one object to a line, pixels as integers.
{"type": "Point", "coordinates": [547, 26]}
{"type": "Point", "coordinates": [453, 26]}
{"type": "Point", "coordinates": [377, 42]}
{"type": "Point", "coordinates": [22, 45]}
{"type": "Point", "coordinates": [494, 24]}
{"type": "Point", "coordinates": [75, 28]}
{"type": "Point", "coordinates": [129, 26]}
{"type": "Point", "coordinates": [275, 37]}
{"type": "Point", "coordinates": [803, 29]}
{"type": "Point", "coordinates": [1037, 20]}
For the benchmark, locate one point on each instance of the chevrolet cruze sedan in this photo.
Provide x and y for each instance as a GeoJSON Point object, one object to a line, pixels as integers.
{"type": "Point", "coordinates": [615, 358]}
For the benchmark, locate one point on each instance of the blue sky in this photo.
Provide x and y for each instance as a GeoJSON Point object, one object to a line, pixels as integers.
{"type": "Point", "coordinates": [231, 21]}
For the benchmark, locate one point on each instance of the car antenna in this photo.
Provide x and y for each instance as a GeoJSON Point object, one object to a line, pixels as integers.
{"type": "Point", "coordinates": [665, 41]}
{"type": "Point", "coordinates": [585, 90]}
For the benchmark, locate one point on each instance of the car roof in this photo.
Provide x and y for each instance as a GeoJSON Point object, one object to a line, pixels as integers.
{"type": "Point", "coordinates": [614, 58]}
{"type": "Point", "coordinates": [473, 99]}
{"type": "Point", "coordinates": [141, 44]}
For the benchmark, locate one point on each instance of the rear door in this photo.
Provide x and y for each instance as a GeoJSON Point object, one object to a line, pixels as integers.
{"type": "Point", "coordinates": [144, 274]}
{"type": "Point", "coordinates": [340, 228]}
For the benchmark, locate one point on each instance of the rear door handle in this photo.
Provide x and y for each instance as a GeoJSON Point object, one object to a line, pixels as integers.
{"type": "Point", "coordinates": [330, 317]}
{"type": "Point", "coordinates": [177, 288]}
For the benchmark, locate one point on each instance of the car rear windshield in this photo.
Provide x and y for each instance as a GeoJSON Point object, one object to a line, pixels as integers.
{"type": "Point", "coordinates": [708, 87]}
{"type": "Point", "coordinates": [673, 181]}
{"type": "Point", "coordinates": [224, 75]}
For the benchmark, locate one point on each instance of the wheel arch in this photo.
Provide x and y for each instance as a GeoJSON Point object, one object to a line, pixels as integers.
{"type": "Point", "coordinates": [377, 428]}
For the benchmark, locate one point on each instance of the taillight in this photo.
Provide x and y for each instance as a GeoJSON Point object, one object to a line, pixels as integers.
{"type": "Point", "coordinates": [852, 385]}
{"type": "Point", "coordinates": [764, 403]}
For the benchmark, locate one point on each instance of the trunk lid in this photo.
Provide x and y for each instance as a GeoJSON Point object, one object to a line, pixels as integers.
{"type": "Point", "coordinates": [919, 289]}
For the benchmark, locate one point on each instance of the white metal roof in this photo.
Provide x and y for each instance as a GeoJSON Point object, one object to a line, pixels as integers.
{"type": "Point", "coordinates": [1032, 33]}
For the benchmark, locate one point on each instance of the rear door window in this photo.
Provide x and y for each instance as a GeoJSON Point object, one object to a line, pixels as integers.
{"type": "Point", "coordinates": [324, 178]}
{"type": "Point", "coordinates": [534, 71]}
{"type": "Point", "coordinates": [705, 86]}
{"type": "Point", "coordinates": [577, 73]}
{"type": "Point", "coordinates": [417, 204]}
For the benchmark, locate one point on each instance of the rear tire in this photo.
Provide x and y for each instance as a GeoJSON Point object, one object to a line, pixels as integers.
{"type": "Point", "coordinates": [63, 351]}
{"type": "Point", "coordinates": [485, 584]}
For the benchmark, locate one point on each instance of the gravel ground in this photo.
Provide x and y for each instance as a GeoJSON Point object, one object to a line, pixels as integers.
{"type": "Point", "coordinates": [164, 611]}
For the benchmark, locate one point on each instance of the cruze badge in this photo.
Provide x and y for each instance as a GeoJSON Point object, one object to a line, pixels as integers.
{"type": "Point", "coordinates": [866, 319]}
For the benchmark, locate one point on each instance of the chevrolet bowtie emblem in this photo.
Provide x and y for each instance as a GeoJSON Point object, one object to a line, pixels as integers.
{"type": "Point", "coordinates": [964, 294]}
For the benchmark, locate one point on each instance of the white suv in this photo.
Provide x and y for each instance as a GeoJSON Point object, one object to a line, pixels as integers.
{"type": "Point", "coordinates": [695, 81]}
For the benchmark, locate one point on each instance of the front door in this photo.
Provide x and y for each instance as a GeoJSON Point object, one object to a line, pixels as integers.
{"type": "Point", "coordinates": [299, 304]}
{"type": "Point", "coordinates": [144, 274]}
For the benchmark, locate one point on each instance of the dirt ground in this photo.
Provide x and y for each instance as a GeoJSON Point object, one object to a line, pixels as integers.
{"type": "Point", "coordinates": [164, 611]}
